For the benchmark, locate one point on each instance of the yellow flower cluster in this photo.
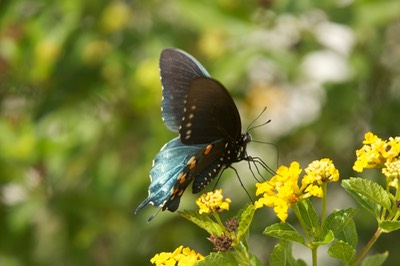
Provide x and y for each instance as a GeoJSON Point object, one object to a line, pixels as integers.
{"type": "Point", "coordinates": [282, 191]}
{"type": "Point", "coordinates": [319, 172]}
{"type": "Point", "coordinates": [378, 153]}
{"type": "Point", "coordinates": [213, 202]}
{"type": "Point", "coordinates": [181, 256]}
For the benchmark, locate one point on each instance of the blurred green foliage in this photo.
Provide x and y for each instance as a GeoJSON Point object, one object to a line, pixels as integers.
{"type": "Point", "coordinates": [80, 111]}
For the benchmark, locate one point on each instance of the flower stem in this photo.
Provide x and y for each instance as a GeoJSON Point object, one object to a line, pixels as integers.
{"type": "Point", "coordinates": [314, 256]}
{"type": "Point", "coordinates": [324, 197]}
{"type": "Point", "coordinates": [218, 219]}
{"type": "Point", "coordinates": [365, 250]}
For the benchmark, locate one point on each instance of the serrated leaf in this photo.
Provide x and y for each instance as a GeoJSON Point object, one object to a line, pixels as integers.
{"type": "Point", "coordinates": [245, 218]}
{"type": "Point", "coordinates": [284, 231]}
{"type": "Point", "coordinates": [327, 238]}
{"type": "Point", "coordinates": [217, 259]}
{"type": "Point", "coordinates": [389, 226]}
{"type": "Point", "coordinates": [338, 220]}
{"type": "Point", "coordinates": [308, 213]}
{"type": "Point", "coordinates": [203, 221]}
{"type": "Point", "coordinates": [367, 204]}
{"type": "Point", "coordinates": [348, 234]}
{"type": "Point", "coordinates": [282, 255]}
{"type": "Point", "coordinates": [375, 260]}
{"type": "Point", "coordinates": [342, 251]}
{"type": "Point", "coordinates": [372, 191]}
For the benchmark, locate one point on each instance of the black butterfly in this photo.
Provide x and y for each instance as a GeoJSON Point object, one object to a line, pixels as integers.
{"type": "Point", "coordinates": [209, 126]}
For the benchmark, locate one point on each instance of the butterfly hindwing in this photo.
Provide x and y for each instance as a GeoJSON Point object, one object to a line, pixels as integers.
{"type": "Point", "coordinates": [195, 167]}
{"type": "Point", "coordinates": [167, 165]}
{"type": "Point", "coordinates": [210, 167]}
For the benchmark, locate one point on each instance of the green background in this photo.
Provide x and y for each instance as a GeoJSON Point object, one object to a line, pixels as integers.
{"type": "Point", "coordinates": [80, 113]}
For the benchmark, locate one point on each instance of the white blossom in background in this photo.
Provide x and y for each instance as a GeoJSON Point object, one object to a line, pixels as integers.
{"type": "Point", "coordinates": [13, 193]}
{"type": "Point", "coordinates": [297, 101]}
{"type": "Point", "coordinates": [325, 66]}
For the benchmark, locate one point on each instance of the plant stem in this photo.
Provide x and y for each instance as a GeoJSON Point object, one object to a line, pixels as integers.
{"type": "Point", "coordinates": [241, 255]}
{"type": "Point", "coordinates": [365, 250]}
{"type": "Point", "coordinates": [218, 219]}
{"type": "Point", "coordinates": [314, 256]}
{"type": "Point", "coordinates": [324, 197]}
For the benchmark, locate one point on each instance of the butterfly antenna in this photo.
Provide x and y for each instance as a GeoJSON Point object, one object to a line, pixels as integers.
{"type": "Point", "coordinates": [251, 127]}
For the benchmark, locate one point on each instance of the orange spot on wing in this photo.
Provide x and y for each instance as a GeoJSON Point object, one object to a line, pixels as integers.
{"type": "Point", "coordinates": [182, 179]}
{"type": "Point", "coordinates": [208, 149]}
{"type": "Point", "coordinates": [192, 165]}
{"type": "Point", "coordinates": [191, 160]}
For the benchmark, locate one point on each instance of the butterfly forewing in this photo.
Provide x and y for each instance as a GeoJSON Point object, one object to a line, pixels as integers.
{"type": "Point", "coordinates": [177, 69]}
{"type": "Point", "coordinates": [209, 114]}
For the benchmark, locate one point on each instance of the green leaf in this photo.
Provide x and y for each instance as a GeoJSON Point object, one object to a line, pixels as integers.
{"type": "Point", "coordinates": [227, 258]}
{"type": "Point", "coordinates": [284, 231]}
{"type": "Point", "coordinates": [254, 261]}
{"type": "Point", "coordinates": [348, 234]}
{"type": "Point", "coordinates": [389, 226]}
{"type": "Point", "coordinates": [203, 221]}
{"type": "Point", "coordinates": [308, 214]}
{"type": "Point", "coordinates": [375, 260]}
{"type": "Point", "coordinates": [371, 190]}
{"type": "Point", "coordinates": [245, 219]}
{"type": "Point", "coordinates": [342, 251]}
{"type": "Point", "coordinates": [217, 259]}
{"type": "Point", "coordinates": [338, 220]}
{"type": "Point", "coordinates": [282, 255]}
{"type": "Point", "coordinates": [367, 204]}
{"type": "Point", "coordinates": [327, 238]}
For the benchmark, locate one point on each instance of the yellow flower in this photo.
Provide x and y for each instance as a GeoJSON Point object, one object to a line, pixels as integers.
{"type": "Point", "coordinates": [282, 191]}
{"type": "Point", "coordinates": [314, 190]}
{"type": "Point", "coordinates": [371, 154]}
{"type": "Point", "coordinates": [392, 149]}
{"type": "Point", "coordinates": [212, 202]}
{"type": "Point", "coordinates": [392, 172]}
{"type": "Point", "coordinates": [376, 152]}
{"type": "Point", "coordinates": [181, 256]}
{"type": "Point", "coordinates": [320, 171]}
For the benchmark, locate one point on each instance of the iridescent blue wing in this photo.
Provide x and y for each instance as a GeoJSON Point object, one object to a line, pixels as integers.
{"type": "Point", "coordinates": [177, 69]}
{"type": "Point", "coordinates": [167, 165]}
{"type": "Point", "coordinates": [174, 168]}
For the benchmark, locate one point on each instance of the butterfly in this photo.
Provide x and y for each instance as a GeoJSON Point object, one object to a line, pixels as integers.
{"type": "Point", "coordinates": [204, 114]}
